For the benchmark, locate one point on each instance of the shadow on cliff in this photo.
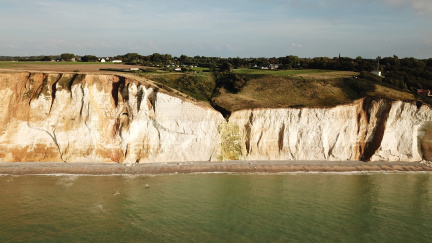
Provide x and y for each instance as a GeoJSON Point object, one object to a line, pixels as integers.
{"type": "Point", "coordinates": [372, 141]}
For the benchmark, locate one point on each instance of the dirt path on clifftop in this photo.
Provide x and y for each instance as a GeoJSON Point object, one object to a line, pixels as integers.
{"type": "Point", "coordinates": [33, 168]}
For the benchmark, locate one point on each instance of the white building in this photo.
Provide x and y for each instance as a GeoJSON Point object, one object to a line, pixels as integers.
{"type": "Point", "coordinates": [377, 73]}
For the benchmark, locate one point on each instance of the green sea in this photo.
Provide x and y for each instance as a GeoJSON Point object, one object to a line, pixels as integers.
{"type": "Point", "coordinates": [296, 207]}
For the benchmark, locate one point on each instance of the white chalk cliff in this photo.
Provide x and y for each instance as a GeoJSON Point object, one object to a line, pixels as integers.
{"type": "Point", "coordinates": [109, 118]}
{"type": "Point", "coordinates": [368, 129]}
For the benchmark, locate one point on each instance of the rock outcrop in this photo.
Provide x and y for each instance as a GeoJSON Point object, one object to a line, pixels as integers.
{"type": "Point", "coordinates": [109, 118]}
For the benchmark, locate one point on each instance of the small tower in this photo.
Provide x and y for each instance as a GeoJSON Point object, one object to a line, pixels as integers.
{"type": "Point", "coordinates": [378, 59]}
{"type": "Point", "coordinates": [378, 72]}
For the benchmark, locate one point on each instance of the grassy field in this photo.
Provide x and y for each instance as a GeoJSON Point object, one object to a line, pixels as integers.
{"type": "Point", "coordinates": [19, 64]}
{"type": "Point", "coordinates": [283, 73]}
{"type": "Point", "coordinates": [198, 86]}
{"type": "Point", "coordinates": [62, 66]}
{"type": "Point", "coordinates": [200, 69]}
{"type": "Point", "coordinates": [314, 89]}
{"type": "Point", "coordinates": [271, 88]}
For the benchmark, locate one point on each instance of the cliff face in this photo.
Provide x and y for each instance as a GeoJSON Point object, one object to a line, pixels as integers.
{"type": "Point", "coordinates": [70, 117]}
{"type": "Point", "coordinates": [368, 129]}
{"type": "Point", "coordinates": [107, 118]}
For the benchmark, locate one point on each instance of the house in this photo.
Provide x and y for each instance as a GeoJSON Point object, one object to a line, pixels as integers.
{"type": "Point", "coordinates": [117, 61]}
{"type": "Point", "coordinates": [134, 69]}
{"type": "Point", "coordinates": [424, 92]}
{"type": "Point", "coordinates": [102, 60]}
{"type": "Point", "coordinates": [177, 69]}
{"type": "Point", "coordinates": [273, 66]}
{"type": "Point", "coordinates": [377, 73]}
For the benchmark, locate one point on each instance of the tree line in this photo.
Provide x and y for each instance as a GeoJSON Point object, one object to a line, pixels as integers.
{"type": "Point", "coordinates": [405, 73]}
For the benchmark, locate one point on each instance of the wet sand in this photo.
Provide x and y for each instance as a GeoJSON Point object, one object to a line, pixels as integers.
{"type": "Point", "coordinates": [33, 168]}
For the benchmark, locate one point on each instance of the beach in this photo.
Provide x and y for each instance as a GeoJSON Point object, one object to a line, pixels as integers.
{"type": "Point", "coordinates": [258, 166]}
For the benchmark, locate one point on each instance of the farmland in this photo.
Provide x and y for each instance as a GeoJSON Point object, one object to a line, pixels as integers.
{"type": "Point", "coordinates": [91, 67]}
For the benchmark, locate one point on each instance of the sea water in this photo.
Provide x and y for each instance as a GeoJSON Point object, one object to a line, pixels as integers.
{"type": "Point", "coordinates": [298, 207]}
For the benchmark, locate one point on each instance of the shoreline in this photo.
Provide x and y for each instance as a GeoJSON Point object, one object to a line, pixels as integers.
{"type": "Point", "coordinates": [259, 166]}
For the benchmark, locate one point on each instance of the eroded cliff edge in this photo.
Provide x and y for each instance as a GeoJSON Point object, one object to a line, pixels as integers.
{"type": "Point", "coordinates": [108, 118]}
{"type": "Point", "coordinates": [100, 118]}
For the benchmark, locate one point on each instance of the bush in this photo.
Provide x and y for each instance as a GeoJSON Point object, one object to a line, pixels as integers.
{"type": "Point", "coordinates": [234, 82]}
{"type": "Point", "coordinates": [358, 87]}
{"type": "Point", "coordinates": [199, 87]}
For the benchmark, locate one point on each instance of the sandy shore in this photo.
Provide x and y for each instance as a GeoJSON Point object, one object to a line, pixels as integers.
{"type": "Point", "coordinates": [29, 168]}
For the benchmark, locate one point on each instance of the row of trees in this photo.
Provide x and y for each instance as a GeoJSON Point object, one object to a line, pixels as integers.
{"type": "Point", "coordinates": [402, 72]}
{"type": "Point", "coordinates": [62, 57]}
{"type": "Point", "coordinates": [288, 62]}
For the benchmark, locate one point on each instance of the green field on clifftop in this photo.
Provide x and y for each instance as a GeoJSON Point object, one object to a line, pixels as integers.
{"type": "Point", "coordinates": [264, 89]}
